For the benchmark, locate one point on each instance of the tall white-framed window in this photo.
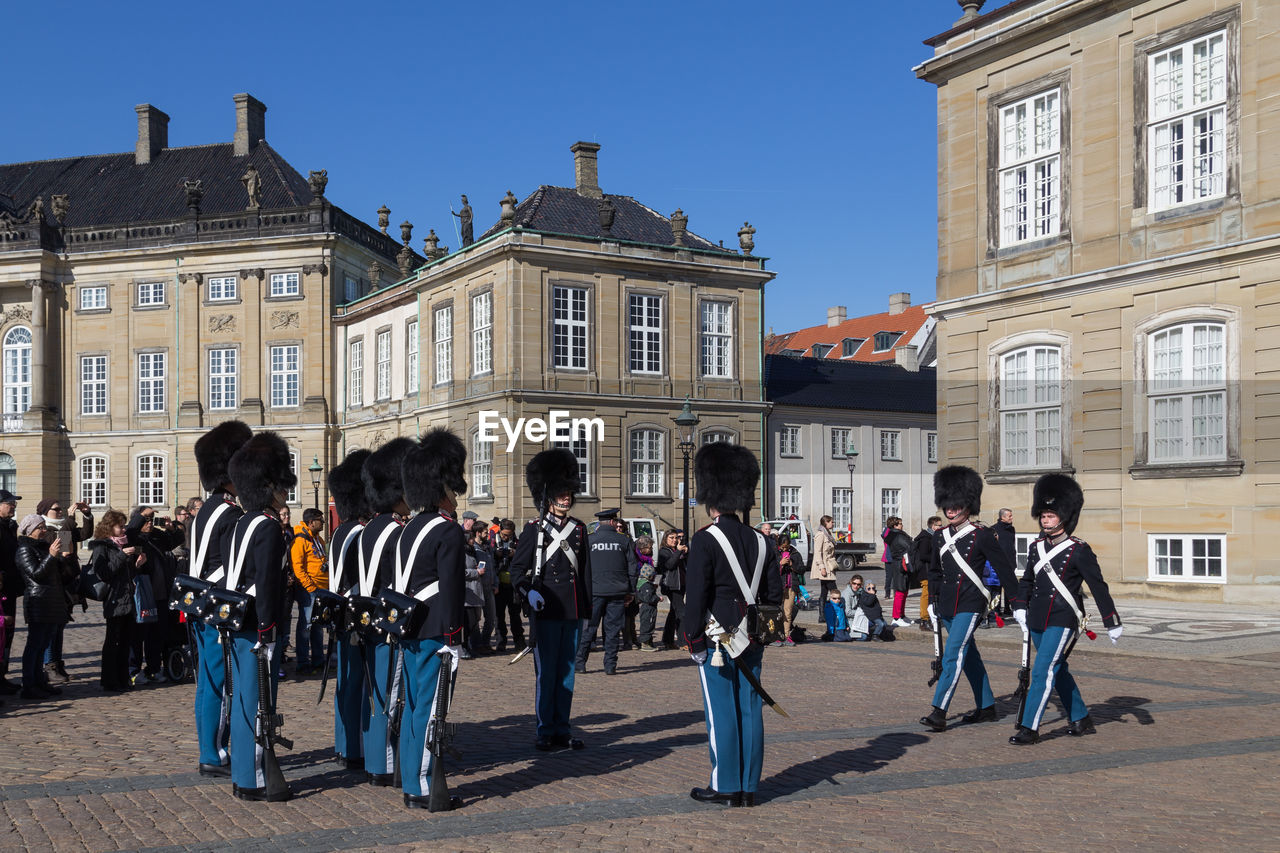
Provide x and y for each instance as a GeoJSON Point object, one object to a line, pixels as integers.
{"type": "Point", "coordinates": [842, 507]}
{"type": "Point", "coordinates": [284, 284]}
{"type": "Point", "coordinates": [644, 333]}
{"type": "Point", "coordinates": [411, 357]}
{"type": "Point", "coordinates": [93, 384]}
{"type": "Point", "coordinates": [1187, 111]}
{"type": "Point", "coordinates": [224, 378]}
{"type": "Point", "coordinates": [789, 441]}
{"type": "Point", "coordinates": [1021, 545]}
{"type": "Point", "coordinates": [1031, 407]}
{"type": "Point", "coordinates": [1030, 168]}
{"type": "Point", "coordinates": [1187, 393]}
{"type": "Point", "coordinates": [443, 323]}
{"type": "Point", "coordinates": [383, 341]}
{"type": "Point", "coordinates": [93, 480]}
{"type": "Point", "coordinates": [717, 339]}
{"type": "Point", "coordinates": [150, 480]}
{"type": "Point", "coordinates": [291, 496]}
{"type": "Point", "coordinates": [482, 333]}
{"type": "Point", "coordinates": [150, 293]}
{"type": "Point", "coordinates": [8, 472]}
{"type": "Point", "coordinates": [1197, 558]}
{"type": "Point", "coordinates": [151, 378]}
{"type": "Point", "coordinates": [840, 439]}
{"type": "Point", "coordinates": [17, 370]}
{"type": "Point", "coordinates": [890, 503]}
{"type": "Point", "coordinates": [890, 445]}
{"type": "Point", "coordinates": [569, 332]}
{"type": "Point", "coordinates": [223, 289]}
{"type": "Point", "coordinates": [93, 298]}
{"type": "Point", "coordinates": [284, 375]}
{"type": "Point", "coordinates": [931, 447]}
{"type": "Point", "coordinates": [789, 501]}
{"type": "Point", "coordinates": [581, 449]}
{"type": "Point", "coordinates": [355, 373]}
{"type": "Point", "coordinates": [481, 467]}
{"type": "Point", "coordinates": [647, 461]}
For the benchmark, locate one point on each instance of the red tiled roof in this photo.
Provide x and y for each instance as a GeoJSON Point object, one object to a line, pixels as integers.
{"type": "Point", "coordinates": [907, 323]}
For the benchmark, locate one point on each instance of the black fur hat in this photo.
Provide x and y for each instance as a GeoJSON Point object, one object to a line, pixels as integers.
{"type": "Point", "coordinates": [550, 473]}
{"type": "Point", "coordinates": [383, 480]}
{"type": "Point", "coordinates": [437, 462]}
{"type": "Point", "coordinates": [261, 468]}
{"type": "Point", "coordinates": [727, 476]}
{"type": "Point", "coordinates": [214, 450]}
{"type": "Point", "coordinates": [957, 487]}
{"type": "Point", "coordinates": [347, 489]}
{"type": "Point", "coordinates": [1060, 494]}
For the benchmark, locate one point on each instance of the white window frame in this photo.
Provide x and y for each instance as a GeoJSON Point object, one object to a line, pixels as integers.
{"type": "Point", "coordinates": [149, 469]}
{"type": "Point", "coordinates": [382, 345]}
{"type": "Point", "coordinates": [890, 445]}
{"type": "Point", "coordinates": [291, 495]}
{"type": "Point", "coordinates": [716, 324]}
{"type": "Point", "coordinates": [570, 327]}
{"type": "Point", "coordinates": [150, 294]}
{"type": "Point", "coordinates": [840, 439]}
{"type": "Point", "coordinates": [153, 369]}
{"type": "Point", "coordinates": [411, 378]}
{"type": "Point", "coordinates": [481, 467]}
{"type": "Point", "coordinates": [647, 462]}
{"type": "Point", "coordinates": [1030, 407]}
{"type": "Point", "coordinates": [223, 289]}
{"type": "Point", "coordinates": [1030, 179]}
{"type": "Point", "coordinates": [890, 503]}
{"type": "Point", "coordinates": [789, 441]}
{"type": "Point", "coordinates": [931, 447]}
{"type": "Point", "coordinates": [224, 378]}
{"type": "Point", "coordinates": [1188, 398]}
{"type": "Point", "coordinates": [580, 447]}
{"type": "Point", "coordinates": [1186, 560]}
{"type": "Point", "coordinates": [821, 350]}
{"type": "Point", "coordinates": [17, 370]}
{"type": "Point", "coordinates": [842, 506]}
{"type": "Point", "coordinates": [442, 335]}
{"type": "Point", "coordinates": [93, 297]}
{"type": "Point", "coordinates": [712, 436]}
{"type": "Point", "coordinates": [1022, 544]}
{"type": "Point", "coordinates": [1187, 121]}
{"type": "Point", "coordinates": [94, 486]}
{"type": "Point", "coordinates": [789, 501]}
{"type": "Point", "coordinates": [93, 384]}
{"type": "Point", "coordinates": [355, 373]}
{"type": "Point", "coordinates": [886, 338]}
{"type": "Point", "coordinates": [644, 333]}
{"type": "Point", "coordinates": [284, 284]}
{"type": "Point", "coordinates": [849, 347]}
{"type": "Point", "coordinates": [482, 333]}
{"type": "Point", "coordinates": [284, 362]}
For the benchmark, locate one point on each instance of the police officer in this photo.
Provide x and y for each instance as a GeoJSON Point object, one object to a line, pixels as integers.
{"type": "Point", "coordinates": [958, 596]}
{"type": "Point", "coordinates": [210, 538]}
{"type": "Point", "coordinates": [613, 585]}
{"type": "Point", "coordinates": [351, 693]}
{"type": "Point", "coordinates": [715, 603]}
{"type": "Point", "coordinates": [431, 568]}
{"type": "Point", "coordinates": [1057, 564]}
{"type": "Point", "coordinates": [262, 474]}
{"type": "Point", "coordinates": [552, 572]}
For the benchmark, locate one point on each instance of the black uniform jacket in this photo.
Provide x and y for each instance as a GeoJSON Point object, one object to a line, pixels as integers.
{"type": "Point", "coordinates": [1045, 605]}
{"type": "Point", "coordinates": [613, 564]}
{"type": "Point", "coordinates": [567, 591]}
{"type": "Point", "coordinates": [441, 557]}
{"type": "Point", "coordinates": [215, 553]}
{"type": "Point", "coordinates": [369, 537]}
{"type": "Point", "coordinates": [951, 588]}
{"type": "Point", "coordinates": [341, 543]}
{"type": "Point", "coordinates": [710, 585]}
{"type": "Point", "coordinates": [263, 568]}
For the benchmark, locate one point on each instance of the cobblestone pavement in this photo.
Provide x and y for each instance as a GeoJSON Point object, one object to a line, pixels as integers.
{"type": "Point", "coordinates": [1185, 756]}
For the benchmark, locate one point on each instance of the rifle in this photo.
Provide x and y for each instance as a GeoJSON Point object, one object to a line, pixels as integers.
{"type": "Point", "coordinates": [440, 734]}
{"type": "Point", "coordinates": [224, 638]}
{"type": "Point", "coordinates": [396, 709]}
{"type": "Point", "coordinates": [937, 646]}
{"type": "Point", "coordinates": [268, 734]}
{"type": "Point", "coordinates": [1024, 675]}
{"type": "Point", "coordinates": [537, 576]}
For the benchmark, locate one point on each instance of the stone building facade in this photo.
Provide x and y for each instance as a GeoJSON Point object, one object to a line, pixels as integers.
{"type": "Point", "coordinates": [1108, 277]}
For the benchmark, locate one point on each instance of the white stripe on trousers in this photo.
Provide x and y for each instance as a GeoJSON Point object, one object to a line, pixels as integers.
{"type": "Point", "coordinates": [259, 756]}
{"type": "Point", "coordinates": [391, 701]}
{"type": "Point", "coordinates": [1050, 680]}
{"type": "Point", "coordinates": [711, 730]}
{"type": "Point", "coordinates": [964, 647]}
{"type": "Point", "coordinates": [424, 769]}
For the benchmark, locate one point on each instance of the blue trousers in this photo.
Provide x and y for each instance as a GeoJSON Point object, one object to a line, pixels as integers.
{"type": "Point", "coordinates": [557, 644]}
{"type": "Point", "coordinates": [350, 699]}
{"type": "Point", "coordinates": [53, 654]}
{"type": "Point", "coordinates": [246, 754]}
{"type": "Point", "coordinates": [308, 639]}
{"type": "Point", "coordinates": [211, 735]}
{"type": "Point", "coordinates": [421, 675]}
{"type": "Point", "coordinates": [39, 636]}
{"type": "Point", "coordinates": [961, 655]}
{"type": "Point", "coordinates": [1049, 673]}
{"type": "Point", "coordinates": [379, 751]}
{"type": "Point", "coordinates": [735, 722]}
{"type": "Point", "coordinates": [611, 611]}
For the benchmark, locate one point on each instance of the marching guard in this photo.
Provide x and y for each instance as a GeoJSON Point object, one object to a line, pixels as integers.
{"type": "Point", "coordinates": [432, 570]}
{"type": "Point", "coordinates": [551, 570]}
{"type": "Point", "coordinates": [350, 695]}
{"type": "Point", "coordinates": [958, 597]}
{"type": "Point", "coordinates": [719, 599]}
{"type": "Point", "coordinates": [210, 538]}
{"type": "Point", "coordinates": [1057, 564]}
{"type": "Point", "coordinates": [262, 474]}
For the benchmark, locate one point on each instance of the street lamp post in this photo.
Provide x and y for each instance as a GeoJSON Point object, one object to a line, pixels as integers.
{"type": "Point", "coordinates": [851, 457]}
{"type": "Point", "coordinates": [686, 422]}
{"type": "Point", "coordinates": [315, 469]}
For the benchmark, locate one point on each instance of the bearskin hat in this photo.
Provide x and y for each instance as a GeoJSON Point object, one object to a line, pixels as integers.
{"type": "Point", "coordinates": [261, 468]}
{"type": "Point", "coordinates": [436, 463]}
{"type": "Point", "coordinates": [1060, 494]}
{"type": "Point", "coordinates": [957, 487]}
{"type": "Point", "coordinates": [383, 480]}
{"type": "Point", "coordinates": [346, 487]}
{"type": "Point", "coordinates": [727, 476]}
{"type": "Point", "coordinates": [214, 450]}
{"type": "Point", "coordinates": [550, 473]}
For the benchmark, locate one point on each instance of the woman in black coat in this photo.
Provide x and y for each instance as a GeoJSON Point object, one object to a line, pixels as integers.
{"type": "Point", "coordinates": [47, 574]}
{"type": "Point", "coordinates": [900, 568]}
{"type": "Point", "coordinates": [670, 565]}
{"type": "Point", "coordinates": [116, 562]}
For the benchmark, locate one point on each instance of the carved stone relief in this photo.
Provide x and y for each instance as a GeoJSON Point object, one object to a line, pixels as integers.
{"type": "Point", "coordinates": [222, 323]}
{"type": "Point", "coordinates": [284, 319]}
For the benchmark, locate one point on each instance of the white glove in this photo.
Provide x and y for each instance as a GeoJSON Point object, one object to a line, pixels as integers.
{"type": "Point", "coordinates": [454, 652]}
{"type": "Point", "coordinates": [1020, 616]}
{"type": "Point", "coordinates": [1114, 634]}
{"type": "Point", "coordinates": [933, 617]}
{"type": "Point", "coordinates": [536, 601]}
{"type": "Point", "coordinates": [699, 657]}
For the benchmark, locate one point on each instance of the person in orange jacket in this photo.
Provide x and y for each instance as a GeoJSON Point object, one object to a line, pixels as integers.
{"type": "Point", "coordinates": [309, 561]}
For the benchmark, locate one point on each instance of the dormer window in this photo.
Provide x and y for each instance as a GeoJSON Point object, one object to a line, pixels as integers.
{"type": "Point", "coordinates": [849, 346]}
{"type": "Point", "coordinates": [820, 350]}
{"type": "Point", "coordinates": [886, 340]}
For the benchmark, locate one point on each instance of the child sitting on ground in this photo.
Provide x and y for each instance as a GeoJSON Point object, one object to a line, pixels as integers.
{"type": "Point", "coordinates": [866, 600]}
{"type": "Point", "coordinates": [837, 621]}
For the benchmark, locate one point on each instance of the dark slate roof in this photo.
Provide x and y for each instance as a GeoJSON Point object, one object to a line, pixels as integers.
{"type": "Point", "coordinates": [561, 210]}
{"type": "Point", "coordinates": [825, 384]}
{"type": "Point", "coordinates": [109, 189]}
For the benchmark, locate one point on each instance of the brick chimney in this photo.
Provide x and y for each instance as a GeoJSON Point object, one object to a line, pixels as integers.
{"type": "Point", "coordinates": [908, 357]}
{"type": "Point", "coordinates": [586, 176]}
{"type": "Point", "coordinates": [835, 315]}
{"type": "Point", "coordinates": [251, 123]}
{"type": "Point", "coordinates": [899, 302]}
{"type": "Point", "coordinates": [153, 133]}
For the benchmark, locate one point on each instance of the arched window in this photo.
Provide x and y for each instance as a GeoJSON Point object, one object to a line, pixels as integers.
{"type": "Point", "coordinates": [1031, 407]}
{"type": "Point", "coordinates": [1187, 392]}
{"type": "Point", "coordinates": [8, 473]}
{"type": "Point", "coordinates": [93, 480]}
{"type": "Point", "coordinates": [17, 370]}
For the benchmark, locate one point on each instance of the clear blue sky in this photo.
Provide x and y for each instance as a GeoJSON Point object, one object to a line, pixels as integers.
{"type": "Point", "coordinates": [803, 118]}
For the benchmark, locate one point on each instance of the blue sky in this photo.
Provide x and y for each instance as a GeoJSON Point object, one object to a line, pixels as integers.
{"type": "Point", "coordinates": [803, 118]}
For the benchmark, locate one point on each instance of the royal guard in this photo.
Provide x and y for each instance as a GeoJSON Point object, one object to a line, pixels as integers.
{"type": "Point", "coordinates": [731, 570]}
{"type": "Point", "coordinates": [351, 693]}
{"type": "Point", "coordinates": [551, 570]}
{"type": "Point", "coordinates": [210, 538]}
{"type": "Point", "coordinates": [384, 490]}
{"type": "Point", "coordinates": [262, 474]}
{"type": "Point", "coordinates": [1057, 564]}
{"type": "Point", "coordinates": [431, 569]}
{"type": "Point", "coordinates": [958, 597]}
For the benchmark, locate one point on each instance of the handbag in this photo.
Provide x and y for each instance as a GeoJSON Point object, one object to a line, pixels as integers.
{"type": "Point", "coordinates": [399, 614]}
{"type": "Point", "coordinates": [226, 608]}
{"type": "Point", "coordinates": [91, 586]}
{"type": "Point", "coordinates": [188, 595]}
{"type": "Point", "coordinates": [144, 600]}
{"type": "Point", "coordinates": [362, 613]}
{"type": "Point", "coordinates": [764, 623]}
{"type": "Point", "coordinates": [328, 610]}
